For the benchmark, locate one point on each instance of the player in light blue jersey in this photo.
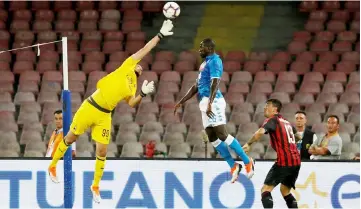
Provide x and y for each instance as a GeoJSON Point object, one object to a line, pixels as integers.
{"type": "Point", "coordinates": [213, 109]}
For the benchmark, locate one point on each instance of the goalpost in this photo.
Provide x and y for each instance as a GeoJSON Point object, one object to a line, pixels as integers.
{"type": "Point", "coordinates": [67, 115]}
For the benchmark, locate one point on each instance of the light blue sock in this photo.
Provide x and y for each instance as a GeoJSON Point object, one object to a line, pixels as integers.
{"type": "Point", "coordinates": [234, 144]}
{"type": "Point", "coordinates": [222, 149]}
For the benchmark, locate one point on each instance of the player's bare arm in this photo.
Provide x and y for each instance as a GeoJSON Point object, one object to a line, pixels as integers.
{"type": "Point", "coordinates": [191, 92]}
{"type": "Point", "coordinates": [214, 88]}
{"type": "Point", "coordinates": [256, 137]}
{"type": "Point", "coordinates": [164, 31]}
{"type": "Point", "coordinates": [315, 150]}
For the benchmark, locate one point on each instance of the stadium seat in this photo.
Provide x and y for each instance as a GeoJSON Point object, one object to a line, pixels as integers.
{"type": "Point", "coordinates": [330, 6]}
{"type": "Point", "coordinates": [327, 98]}
{"type": "Point", "coordinates": [300, 67]}
{"type": "Point", "coordinates": [331, 57]}
{"type": "Point", "coordinates": [347, 36]}
{"type": "Point", "coordinates": [290, 108]}
{"type": "Point", "coordinates": [323, 67]}
{"type": "Point", "coordinates": [231, 66]}
{"type": "Point", "coordinates": [336, 26]}
{"type": "Point", "coordinates": [253, 66]}
{"type": "Point", "coordinates": [341, 15]}
{"type": "Point", "coordinates": [314, 26]}
{"type": "Point", "coordinates": [341, 47]}
{"type": "Point", "coordinates": [303, 98]}
{"type": "Point", "coordinates": [351, 57]}
{"type": "Point", "coordinates": [350, 98]}
{"type": "Point", "coordinates": [318, 15]}
{"type": "Point", "coordinates": [302, 36]}
{"type": "Point", "coordinates": [346, 67]}
{"type": "Point", "coordinates": [281, 96]}
{"type": "Point", "coordinates": [238, 56]}
{"type": "Point", "coordinates": [326, 36]}
{"type": "Point", "coordinates": [256, 98]}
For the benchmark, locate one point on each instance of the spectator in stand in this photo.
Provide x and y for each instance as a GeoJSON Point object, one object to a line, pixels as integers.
{"type": "Point", "coordinates": [308, 136]}
{"type": "Point", "coordinates": [57, 135]}
{"type": "Point", "coordinates": [330, 146]}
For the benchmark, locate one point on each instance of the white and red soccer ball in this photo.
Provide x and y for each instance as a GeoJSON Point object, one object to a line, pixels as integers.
{"type": "Point", "coordinates": [171, 10]}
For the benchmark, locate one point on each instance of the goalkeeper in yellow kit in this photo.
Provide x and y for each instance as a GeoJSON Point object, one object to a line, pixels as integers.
{"type": "Point", "coordinates": [95, 111]}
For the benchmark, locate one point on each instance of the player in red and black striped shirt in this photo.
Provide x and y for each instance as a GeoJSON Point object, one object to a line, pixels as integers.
{"type": "Point", "coordinates": [286, 168]}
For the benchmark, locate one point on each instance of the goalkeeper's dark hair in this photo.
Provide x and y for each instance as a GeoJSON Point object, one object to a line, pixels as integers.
{"type": "Point", "coordinates": [58, 112]}
{"type": "Point", "coordinates": [276, 103]}
{"type": "Point", "coordinates": [208, 42]}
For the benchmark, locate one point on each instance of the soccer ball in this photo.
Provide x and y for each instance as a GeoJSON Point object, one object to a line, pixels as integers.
{"type": "Point", "coordinates": [171, 10]}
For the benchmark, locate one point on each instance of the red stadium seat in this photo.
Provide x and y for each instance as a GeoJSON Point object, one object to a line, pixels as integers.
{"type": "Point", "coordinates": [165, 56]}
{"type": "Point", "coordinates": [327, 98]}
{"type": "Point", "coordinates": [307, 56]}
{"type": "Point", "coordinates": [46, 36]}
{"type": "Point", "coordinates": [303, 98]}
{"type": "Point", "coordinates": [22, 66]}
{"type": "Point", "coordinates": [64, 25]}
{"type": "Point", "coordinates": [43, 66]}
{"type": "Point", "coordinates": [241, 77]}
{"type": "Point", "coordinates": [18, 5]}
{"type": "Point", "coordinates": [333, 87]}
{"type": "Point", "coordinates": [40, 5]}
{"type": "Point", "coordinates": [84, 5]}
{"type": "Point", "coordinates": [133, 46]}
{"type": "Point", "coordinates": [89, 45]}
{"type": "Point", "coordinates": [331, 57]}
{"type": "Point", "coordinates": [347, 36]}
{"type": "Point", "coordinates": [95, 56]}
{"type": "Point", "coordinates": [238, 56]}
{"type": "Point", "coordinates": [152, 6]}
{"type": "Point", "coordinates": [258, 56]}
{"type": "Point", "coordinates": [67, 15]}
{"type": "Point", "coordinates": [131, 26]}
{"type": "Point", "coordinates": [327, 36]}
{"type": "Point", "coordinates": [352, 6]}
{"type": "Point", "coordinates": [341, 15]}
{"type": "Point", "coordinates": [350, 98]}
{"type": "Point", "coordinates": [281, 96]}
{"type": "Point", "coordinates": [72, 35]}
{"type": "Point", "coordinates": [282, 56]}
{"type": "Point", "coordinates": [285, 86]}
{"type": "Point", "coordinates": [5, 57]}
{"type": "Point", "coordinates": [276, 66]}
{"type": "Point", "coordinates": [19, 25]}
{"type": "Point", "coordinates": [161, 66]}
{"type": "Point", "coordinates": [351, 57]}
{"type": "Point", "coordinates": [28, 56]}
{"type": "Point", "coordinates": [322, 67]}
{"type": "Point", "coordinates": [22, 15]}
{"type": "Point", "coordinates": [318, 15]}
{"type": "Point", "coordinates": [287, 77]}
{"type": "Point", "coordinates": [187, 56]}
{"type": "Point", "coordinates": [341, 47]}
{"type": "Point", "coordinates": [105, 5]}
{"type": "Point", "coordinates": [133, 14]}
{"type": "Point", "coordinates": [302, 36]}
{"type": "Point", "coordinates": [91, 66]}
{"type": "Point", "coordinates": [89, 15]}
{"type": "Point", "coordinates": [319, 46]}
{"type": "Point", "coordinates": [310, 87]}
{"type": "Point", "coordinates": [336, 77]}
{"type": "Point", "coordinates": [62, 5]}
{"type": "Point", "coordinates": [184, 66]}
{"type": "Point", "coordinates": [300, 67]}
{"type": "Point", "coordinates": [242, 88]}
{"type": "Point", "coordinates": [308, 6]}
{"type": "Point", "coordinates": [85, 26]}
{"type": "Point", "coordinates": [129, 5]}
{"type": "Point", "coordinates": [296, 47]}
{"type": "Point", "coordinates": [112, 46]}
{"type": "Point", "coordinates": [54, 76]}
{"type": "Point", "coordinates": [119, 56]}
{"type": "Point", "coordinates": [346, 66]}
{"type": "Point", "coordinates": [355, 26]}
{"type": "Point", "coordinates": [111, 15]}
{"type": "Point", "coordinates": [114, 36]}
{"type": "Point", "coordinates": [353, 87]}
{"type": "Point", "coordinates": [234, 98]}
{"type": "Point", "coordinates": [330, 6]}
{"type": "Point", "coordinates": [316, 107]}
{"type": "Point", "coordinates": [256, 98]}
{"type": "Point", "coordinates": [265, 76]}
{"type": "Point", "coordinates": [77, 76]}
{"type": "Point", "coordinates": [171, 76]}
{"type": "Point", "coordinates": [314, 26]}
{"type": "Point", "coordinates": [231, 66]}
{"type": "Point", "coordinates": [136, 36]}
{"type": "Point", "coordinates": [108, 26]}
{"type": "Point", "coordinates": [354, 77]}
{"type": "Point", "coordinates": [253, 66]}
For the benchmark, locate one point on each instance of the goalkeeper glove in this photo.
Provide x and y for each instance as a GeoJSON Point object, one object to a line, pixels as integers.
{"type": "Point", "coordinates": [166, 29]}
{"type": "Point", "coordinates": [147, 88]}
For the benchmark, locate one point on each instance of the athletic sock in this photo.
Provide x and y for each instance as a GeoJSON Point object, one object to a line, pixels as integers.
{"type": "Point", "coordinates": [59, 153]}
{"type": "Point", "coordinates": [234, 144]}
{"type": "Point", "coordinates": [222, 149]}
{"type": "Point", "coordinates": [290, 201]}
{"type": "Point", "coordinates": [267, 200]}
{"type": "Point", "coordinates": [99, 169]}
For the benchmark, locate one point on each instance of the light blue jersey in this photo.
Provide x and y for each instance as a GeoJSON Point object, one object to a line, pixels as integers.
{"type": "Point", "coordinates": [211, 68]}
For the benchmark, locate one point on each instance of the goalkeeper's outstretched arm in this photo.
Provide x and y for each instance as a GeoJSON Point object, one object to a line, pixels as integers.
{"type": "Point", "coordinates": [164, 31]}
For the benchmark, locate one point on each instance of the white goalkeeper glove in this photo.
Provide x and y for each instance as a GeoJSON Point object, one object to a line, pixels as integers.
{"type": "Point", "coordinates": [147, 88]}
{"type": "Point", "coordinates": [166, 29]}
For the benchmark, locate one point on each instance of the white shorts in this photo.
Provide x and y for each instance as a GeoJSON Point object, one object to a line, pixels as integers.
{"type": "Point", "coordinates": [219, 110]}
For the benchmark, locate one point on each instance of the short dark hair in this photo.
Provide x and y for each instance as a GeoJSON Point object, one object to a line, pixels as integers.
{"type": "Point", "coordinates": [334, 116]}
{"type": "Point", "coordinates": [276, 103]}
{"type": "Point", "coordinates": [208, 42]}
{"type": "Point", "coordinates": [58, 112]}
{"type": "Point", "coordinates": [301, 112]}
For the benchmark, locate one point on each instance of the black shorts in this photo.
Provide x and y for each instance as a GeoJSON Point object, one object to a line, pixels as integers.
{"type": "Point", "coordinates": [286, 175]}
